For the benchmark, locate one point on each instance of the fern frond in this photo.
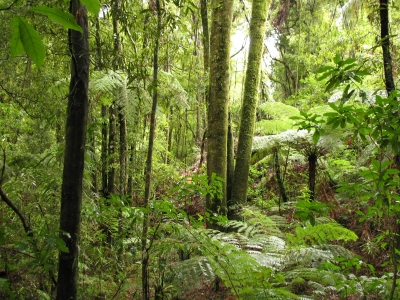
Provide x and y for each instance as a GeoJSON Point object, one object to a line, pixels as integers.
{"type": "Point", "coordinates": [107, 81]}
{"type": "Point", "coordinates": [321, 234]}
{"type": "Point", "coordinates": [306, 257]}
{"type": "Point", "coordinates": [191, 273]}
{"type": "Point", "coordinates": [269, 260]}
{"type": "Point", "coordinates": [337, 250]}
{"type": "Point", "coordinates": [281, 222]}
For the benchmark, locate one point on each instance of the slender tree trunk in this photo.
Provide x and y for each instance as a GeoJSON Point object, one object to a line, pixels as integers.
{"type": "Point", "coordinates": [278, 175]}
{"type": "Point", "coordinates": [111, 150]}
{"type": "Point", "coordinates": [71, 195]}
{"type": "Point", "coordinates": [145, 250]}
{"type": "Point", "coordinates": [218, 101]}
{"type": "Point", "coordinates": [385, 41]}
{"type": "Point", "coordinates": [206, 34]}
{"type": "Point", "coordinates": [250, 99]}
{"type": "Point", "coordinates": [312, 174]}
{"type": "Point", "coordinates": [230, 161]}
{"type": "Point", "coordinates": [104, 151]}
{"type": "Point", "coordinates": [122, 150]}
{"type": "Point", "coordinates": [104, 111]}
{"type": "Point", "coordinates": [390, 87]}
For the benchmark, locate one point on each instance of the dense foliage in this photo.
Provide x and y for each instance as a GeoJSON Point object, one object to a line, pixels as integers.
{"type": "Point", "coordinates": [322, 214]}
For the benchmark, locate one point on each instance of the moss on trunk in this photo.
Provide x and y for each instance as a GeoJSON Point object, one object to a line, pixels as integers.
{"type": "Point", "coordinates": [250, 99]}
{"type": "Point", "coordinates": [217, 132]}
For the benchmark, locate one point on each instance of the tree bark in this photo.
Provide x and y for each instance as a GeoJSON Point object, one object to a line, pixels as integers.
{"type": "Point", "coordinates": [218, 101]}
{"type": "Point", "coordinates": [278, 175]}
{"type": "Point", "coordinates": [230, 161]}
{"type": "Point", "coordinates": [312, 174]}
{"type": "Point", "coordinates": [145, 250]}
{"type": "Point", "coordinates": [250, 99]}
{"type": "Point", "coordinates": [71, 195]}
{"type": "Point", "coordinates": [111, 150]}
{"type": "Point", "coordinates": [385, 42]}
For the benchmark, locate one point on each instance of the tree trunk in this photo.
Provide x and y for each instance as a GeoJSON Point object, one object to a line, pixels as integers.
{"type": "Point", "coordinates": [111, 150]}
{"type": "Point", "coordinates": [145, 250]}
{"type": "Point", "coordinates": [218, 100]}
{"type": "Point", "coordinates": [122, 150]}
{"type": "Point", "coordinates": [71, 194]}
{"type": "Point", "coordinates": [390, 87]}
{"type": "Point", "coordinates": [104, 151]}
{"type": "Point", "coordinates": [250, 99]}
{"type": "Point", "coordinates": [230, 161]}
{"type": "Point", "coordinates": [312, 174]}
{"type": "Point", "coordinates": [385, 42]}
{"type": "Point", "coordinates": [278, 175]}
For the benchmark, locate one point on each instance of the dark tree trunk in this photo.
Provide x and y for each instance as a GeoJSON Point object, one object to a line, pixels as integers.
{"type": "Point", "coordinates": [145, 250]}
{"type": "Point", "coordinates": [278, 175]}
{"type": "Point", "coordinates": [312, 172]}
{"type": "Point", "coordinates": [385, 41]}
{"type": "Point", "coordinates": [71, 195]}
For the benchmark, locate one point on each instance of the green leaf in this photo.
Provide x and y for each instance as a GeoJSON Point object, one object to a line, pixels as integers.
{"type": "Point", "coordinates": [92, 5]}
{"type": "Point", "coordinates": [336, 59]}
{"type": "Point", "coordinates": [30, 40]}
{"type": "Point", "coordinates": [324, 69]}
{"type": "Point", "coordinates": [57, 15]}
{"type": "Point", "coordinates": [325, 75]}
{"type": "Point", "coordinates": [15, 42]}
{"type": "Point", "coordinates": [316, 136]}
{"type": "Point", "coordinates": [346, 62]}
{"type": "Point", "coordinates": [61, 245]}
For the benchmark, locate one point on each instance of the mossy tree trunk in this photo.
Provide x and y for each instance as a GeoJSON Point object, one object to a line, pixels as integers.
{"type": "Point", "coordinates": [217, 132]}
{"type": "Point", "coordinates": [71, 194]}
{"type": "Point", "coordinates": [249, 106]}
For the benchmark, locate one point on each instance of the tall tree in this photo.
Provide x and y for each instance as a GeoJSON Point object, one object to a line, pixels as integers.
{"type": "Point", "coordinates": [149, 162]}
{"type": "Point", "coordinates": [249, 106]}
{"type": "Point", "coordinates": [77, 114]}
{"type": "Point", "coordinates": [217, 132]}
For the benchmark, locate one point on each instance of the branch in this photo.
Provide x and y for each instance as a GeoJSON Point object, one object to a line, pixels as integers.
{"type": "Point", "coordinates": [24, 222]}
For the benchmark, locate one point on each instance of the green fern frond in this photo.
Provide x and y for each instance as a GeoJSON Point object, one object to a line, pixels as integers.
{"type": "Point", "coordinates": [281, 222]}
{"type": "Point", "coordinates": [321, 234]}
{"type": "Point", "coordinates": [269, 260]}
{"type": "Point", "coordinates": [306, 257]}
{"type": "Point", "coordinates": [191, 273]}
{"type": "Point", "coordinates": [107, 81]}
{"type": "Point", "coordinates": [337, 250]}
